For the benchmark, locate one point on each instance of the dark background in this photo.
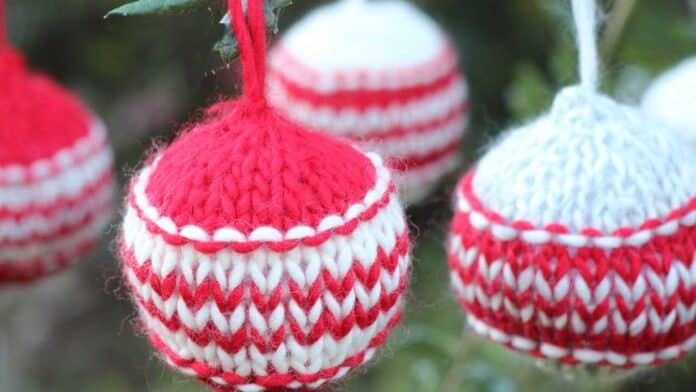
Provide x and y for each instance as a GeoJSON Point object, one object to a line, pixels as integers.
{"type": "Point", "coordinates": [147, 75]}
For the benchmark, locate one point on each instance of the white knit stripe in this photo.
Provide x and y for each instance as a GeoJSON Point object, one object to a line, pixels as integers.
{"type": "Point", "coordinates": [416, 183]}
{"type": "Point", "coordinates": [40, 224]}
{"type": "Point", "coordinates": [539, 236]}
{"type": "Point", "coordinates": [68, 184]}
{"type": "Point", "coordinates": [373, 120]}
{"type": "Point", "coordinates": [283, 63]}
{"type": "Point", "coordinates": [337, 254]}
{"type": "Point", "coordinates": [209, 311]}
{"type": "Point", "coordinates": [582, 355]}
{"type": "Point", "coordinates": [291, 355]}
{"type": "Point", "coordinates": [13, 175]}
{"type": "Point", "coordinates": [665, 286]}
{"type": "Point", "coordinates": [420, 143]}
{"type": "Point", "coordinates": [264, 233]}
{"type": "Point", "coordinates": [48, 252]}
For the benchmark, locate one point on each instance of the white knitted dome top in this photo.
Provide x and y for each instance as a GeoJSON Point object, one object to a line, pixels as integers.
{"type": "Point", "coordinates": [589, 163]}
{"type": "Point", "coordinates": [410, 39]}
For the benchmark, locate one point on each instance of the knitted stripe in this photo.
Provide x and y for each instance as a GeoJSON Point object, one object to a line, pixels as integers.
{"type": "Point", "coordinates": [203, 241]}
{"type": "Point", "coordinates": [384, 118]}
{"type": "Point", "coordinates": [63, 217]}
{"type": "Point", "coordinates": [46, 258]}
{"type": "Point", "coordinates": [255, 318]}
{"type": "Point", "coordinates": [361, 99]}
{"type": "Point", "coordinates": [43, 183]}
{"type": "Point", "coordinates": [624, 298]}
{"type": "Point", "coordinates": [416, 183]}
{"type": "Point", "coordinates": [304, 76]}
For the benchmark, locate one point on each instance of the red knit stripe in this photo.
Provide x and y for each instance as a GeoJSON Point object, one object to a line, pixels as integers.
{"type": "Point", "coordinates": [465, 190]}
{"type": "Point", "coordinates": [593, 264]}
{"type": "Point", "coordinates": [442, 64]}
{"type": "Point", "coordinates": [210, 247]}
{"type": "Point", "coordinates": [210, 290]}
{"type": "Point", "coordinates": [30, 270]}
{"type": "Point", "coordinates": [28, 177]}
{"type": "Point", "coordinates": [457, 114]}
{"type": "Point", "coordinates": [63, 230]}
{"type": "Point", "coordinates": [206, 372]}
{"type": "Point", "coordinates": [361, 100]}
{"type": "Point", "coordinates": [61, 203]}
{"type": "Point", "coordinates": [412, 162]}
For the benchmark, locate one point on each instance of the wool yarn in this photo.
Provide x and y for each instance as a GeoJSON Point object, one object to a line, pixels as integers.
{"type": "Point", "coordinates": [671, 99]}
{"type": "Point", "coordinates": [574, 237]}
{"type": "Point", "coordinates": [261, 255]}
{"type": "Point", "coordinates": [381, 74]}
{"type": "Point", "coordinates": [56, 177]}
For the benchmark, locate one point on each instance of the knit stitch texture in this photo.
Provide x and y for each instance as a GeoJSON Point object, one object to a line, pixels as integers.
{"type": "Point", "coordinates": [261, 255]}
{"type": "Point", "coordinates": [574, 238]}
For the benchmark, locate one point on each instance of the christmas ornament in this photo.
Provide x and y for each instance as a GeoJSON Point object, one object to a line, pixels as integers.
{"type": "Point", "coordinates": [381, 74]}
{"type": "Point", "coordinates": [671, 99]}
{"type": "Point", "coordinates": [259, 254]}
{"type": "Point", "coordinates": [55, 172]}
{"type": "Point", "coordinates": [573, 238]}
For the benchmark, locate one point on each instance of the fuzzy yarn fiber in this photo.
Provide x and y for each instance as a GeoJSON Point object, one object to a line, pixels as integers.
{"type": "Point", "coordinates": [56, 176]}
{"type": "Point", "coordinates": [574, 237]}
{"type": "Point", "coordinates": [381, 74]}
{"type": "Point", "coordinates": [262, 255]}
{"type": "Point", "coordinates": [671, 98]}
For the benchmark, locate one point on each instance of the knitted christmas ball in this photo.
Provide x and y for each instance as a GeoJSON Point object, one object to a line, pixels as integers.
{"type": "Point", "coordinates": [260, 254]}
{"type": "Point", "coordinates": [381, 74]}
{"type": "Point", "coordinates": [55, 174]}
{"type": "Point", "coordinates": [574, 237]}
{"type": "Point", "coordinates": [671, 98]}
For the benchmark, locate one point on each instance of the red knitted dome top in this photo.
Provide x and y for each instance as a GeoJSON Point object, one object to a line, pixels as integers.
{"type": "Point", "coordinates": [38, 118]}
{"type": "Point", "coordinates": [249, 167]}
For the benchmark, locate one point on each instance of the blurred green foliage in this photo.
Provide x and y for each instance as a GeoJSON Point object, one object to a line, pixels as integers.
{"type": "Point", "coordinates": [146, 75]}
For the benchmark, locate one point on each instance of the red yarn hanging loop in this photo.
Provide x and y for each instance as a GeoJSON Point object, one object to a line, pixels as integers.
{"type": "Point", "coordinates": [250, 31]}
{"type": "Point", "coordinates": [3, 25]}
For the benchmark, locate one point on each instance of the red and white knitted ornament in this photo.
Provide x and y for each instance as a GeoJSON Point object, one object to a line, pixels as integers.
{"type": "Point", "coordinates": [574, 237]}
{"type": "Point", "coordinates": [56, 178]}
{"type": "Point", "coordinates": [381, 74]}
{"type": "Point", "coordinates": [259, 254]}
{"type": "Point", "coordinates": [671, 98]}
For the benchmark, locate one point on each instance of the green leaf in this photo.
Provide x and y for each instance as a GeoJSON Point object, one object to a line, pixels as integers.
{"type": "Point", "coordinates": [227, 46]}
{"type": "Point", "coordinates": [145, 7]}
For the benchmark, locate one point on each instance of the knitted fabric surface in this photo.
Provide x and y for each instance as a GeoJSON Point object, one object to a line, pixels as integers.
{"type": "Point", "coordinates": [671, 99]}
{"type": "Point", "coordinates": [55, 174]}
{"type": "Point", "coordinates": [574, 237]}
{"type": "Point", "coordinates": [262, 255]}
{"type": "Point", "coordinates": [393, 87]}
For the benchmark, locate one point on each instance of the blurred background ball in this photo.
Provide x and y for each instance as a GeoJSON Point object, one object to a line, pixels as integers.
{"type": "Point", "coordinates": [382, 74]}
{"type": "Point", "coordinates": [672, 99]}
{"type": "Point", "coordinates": [56, 175]}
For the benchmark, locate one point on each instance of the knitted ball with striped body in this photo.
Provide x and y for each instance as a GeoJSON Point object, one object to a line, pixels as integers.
{"type": "Point", "coordinates": [381, 74]}
{"type": "Point", "coordinates": [671, 98]}
{"type": "Point", "coordinates": [574, 237]}
{"type": "Point", "coordinates": [259, 254]}
{"type": "Point", "coordinates": [56, 176]}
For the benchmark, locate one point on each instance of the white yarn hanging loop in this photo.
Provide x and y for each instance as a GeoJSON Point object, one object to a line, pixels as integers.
{"type": "Point", "coordinates": [585, 15]}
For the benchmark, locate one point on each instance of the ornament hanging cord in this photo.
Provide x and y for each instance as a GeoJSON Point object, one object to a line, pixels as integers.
{"type": "Point", "coordinates": [3, 25]}
{"type": "Point", "coordinates": [585, 15]}
{"type": "Point", "coordinates": [250, 31]}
